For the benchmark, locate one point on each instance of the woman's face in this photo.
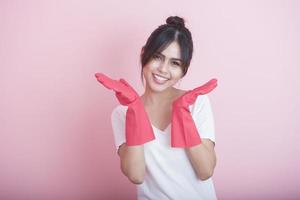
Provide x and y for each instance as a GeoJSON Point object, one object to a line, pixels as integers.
{"type": "Point", "coordinates": [164, 69]}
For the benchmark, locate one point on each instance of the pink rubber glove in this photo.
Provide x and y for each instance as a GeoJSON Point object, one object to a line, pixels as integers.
{"type": "Point", "coordinates": [138, 127]}
{"type": "Point", "coordinates": [183, 129]}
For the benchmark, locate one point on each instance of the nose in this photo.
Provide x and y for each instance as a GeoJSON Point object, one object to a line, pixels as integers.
{"type": "Point", "coordinates": [163, 67]}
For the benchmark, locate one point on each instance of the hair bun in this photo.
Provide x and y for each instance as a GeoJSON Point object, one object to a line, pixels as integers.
{"type": "Point", "coordinates": [176, 21]}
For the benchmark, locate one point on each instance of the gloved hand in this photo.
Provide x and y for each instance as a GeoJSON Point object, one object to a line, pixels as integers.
{"type": "Point", "coordinates": [138, 126]}
{"type": "Point", "coordinates": [183, 129]}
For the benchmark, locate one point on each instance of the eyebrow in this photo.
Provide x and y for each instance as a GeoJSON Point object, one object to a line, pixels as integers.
{"type": "Point", "coordinates": [171, 58]}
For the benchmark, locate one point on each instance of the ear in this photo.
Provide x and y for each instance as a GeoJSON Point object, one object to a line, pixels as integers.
{"type": "Point", "coordinates": [142, 51]}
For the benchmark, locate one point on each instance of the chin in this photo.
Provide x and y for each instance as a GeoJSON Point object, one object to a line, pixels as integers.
{"type": "Point", "coordinates": [160, 88]}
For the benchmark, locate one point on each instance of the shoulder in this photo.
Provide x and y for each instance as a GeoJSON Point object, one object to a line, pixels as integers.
{"type": "Point", "coordinates": [119, 111]}
{"type": "Point", "coordinates": [202, 103]}
{"type": "Point", "coordinates": [202, 100]}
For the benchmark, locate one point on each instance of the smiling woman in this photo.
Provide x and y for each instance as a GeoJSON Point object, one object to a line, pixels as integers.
{"type": "Point", "coordinates": [162, 70]}
{"type": "Point", "coordinates": [165, 138]}
{"type": "Point", "coordinates": [173, 31]}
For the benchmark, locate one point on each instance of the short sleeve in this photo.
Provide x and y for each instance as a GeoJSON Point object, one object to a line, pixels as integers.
{"type": "Point", "coordinates": [118, 116]}
{"type": "Point", "coordinates": [203, 117]}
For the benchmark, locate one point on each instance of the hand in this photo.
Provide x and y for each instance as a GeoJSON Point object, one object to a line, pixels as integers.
{"type": "Point", "coordinates": [124, 92]}
{"type": "Point", "coordinates": [138, 127]}
{"type": "Point", "coordinates": [190, 97]}
{"type": "Point", "coordinates": [184, 132]}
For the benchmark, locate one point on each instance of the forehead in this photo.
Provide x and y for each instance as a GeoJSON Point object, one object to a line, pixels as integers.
{"type": "Point", "coordinates": [172, 51]}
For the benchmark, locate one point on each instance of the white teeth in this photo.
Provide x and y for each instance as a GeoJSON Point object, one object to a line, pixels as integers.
{"type": "Point", "coordinates": [160, 78]}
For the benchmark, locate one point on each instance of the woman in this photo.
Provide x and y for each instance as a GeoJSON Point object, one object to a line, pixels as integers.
{"type": "Point", "coordinates": [165, 138]}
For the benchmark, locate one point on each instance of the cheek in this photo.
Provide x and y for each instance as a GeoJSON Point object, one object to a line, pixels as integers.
{"type": "Point", "coordinates": [147, 71]}
{"type": "Point", "coordinates": [150, 67]}
{"type": "Point", "coordinates": [154, 64]}
{"type": "Point", "coordinates": [177, 73]}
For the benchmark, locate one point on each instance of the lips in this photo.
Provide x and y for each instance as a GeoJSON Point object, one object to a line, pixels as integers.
{"type": "Point", "coordinates": [159, 79]}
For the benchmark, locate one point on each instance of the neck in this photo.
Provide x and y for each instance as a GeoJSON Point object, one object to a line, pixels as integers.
{"type": "Point", "coordinates": [152, 98]}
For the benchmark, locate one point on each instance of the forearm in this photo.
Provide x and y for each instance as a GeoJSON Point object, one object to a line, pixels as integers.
{"type": "Point", "coordinates": [202, 159]}
{"type": "Point", "coordinates": [133, 163]}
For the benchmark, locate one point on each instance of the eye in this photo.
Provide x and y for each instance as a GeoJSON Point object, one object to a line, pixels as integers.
{"type": "Point", "coordinates": [176, 63]}
{"type": "Point", "coordinates": [155, 56]}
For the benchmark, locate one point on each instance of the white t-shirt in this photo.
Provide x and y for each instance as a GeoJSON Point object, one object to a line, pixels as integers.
{"type": "Point", "coordinates": [169, 172]}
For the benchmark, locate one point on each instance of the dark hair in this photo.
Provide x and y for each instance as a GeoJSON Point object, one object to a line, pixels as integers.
{"type": "Point", "coordinates": [161, 37]}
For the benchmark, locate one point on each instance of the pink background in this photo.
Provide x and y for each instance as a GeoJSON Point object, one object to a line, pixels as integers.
{"type": "Point", "coordinates": [56, 139]}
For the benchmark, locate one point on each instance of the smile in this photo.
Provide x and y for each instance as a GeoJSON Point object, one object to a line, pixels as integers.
{"type": "Point", "coordinates": [159, 79]}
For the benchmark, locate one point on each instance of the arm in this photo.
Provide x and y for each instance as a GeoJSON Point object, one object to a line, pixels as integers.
{"type": "Point", "coordinates": [203, 158]}
{"type": "Point", "coordinates": [134, 123]}
{"type": "Point", "coordinates": [132, 162]}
